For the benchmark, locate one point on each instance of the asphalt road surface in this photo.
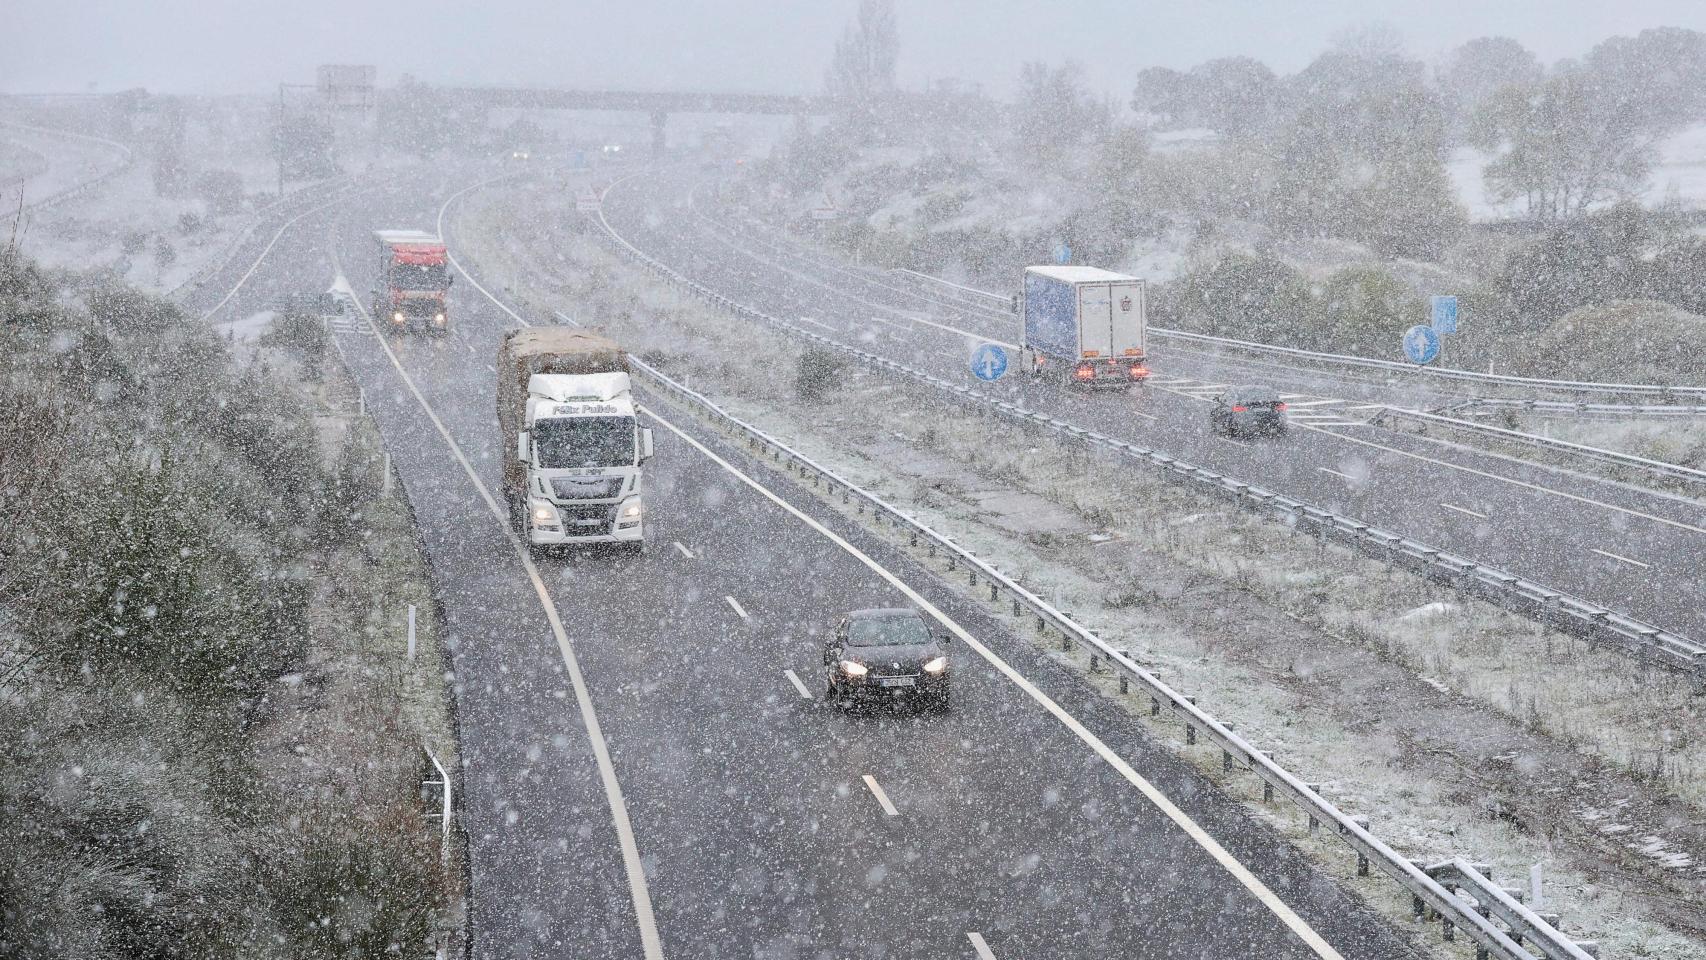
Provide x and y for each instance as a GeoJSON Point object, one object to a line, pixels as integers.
{"type": "Point", "coordinates": [645, 777]}
{"type": "Point", "coordinates": [1628, 549]}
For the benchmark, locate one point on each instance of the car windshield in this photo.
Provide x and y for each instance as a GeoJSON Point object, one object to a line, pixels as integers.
{"type": "Point", "coordinates": [419, 276]}
{"type": "Point", "coordinates": [887, 632]}
{"type": "Point", "coordinates": [569, 442]}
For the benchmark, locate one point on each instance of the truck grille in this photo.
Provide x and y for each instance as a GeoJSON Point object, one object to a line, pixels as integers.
{"type": "Point", "coordinates": [586, 488]}
{"type": "Point", "coordinates": [587, 517]}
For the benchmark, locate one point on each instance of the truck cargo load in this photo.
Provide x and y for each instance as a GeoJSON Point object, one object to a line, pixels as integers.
{"type": "Point", "coordinates": [573, 446]}
{"type": "Point", "coordinates": [413, 285]}
{"type": "Point", "coordinates": [1084, 325]}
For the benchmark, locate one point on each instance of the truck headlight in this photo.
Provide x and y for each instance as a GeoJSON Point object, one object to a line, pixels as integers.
{"type": "Point", "coordinates": [854, 668]}
{"type": "Point", "coordinates": [630, 510]}
{"type": "Point", "coordinates": [543, 511]}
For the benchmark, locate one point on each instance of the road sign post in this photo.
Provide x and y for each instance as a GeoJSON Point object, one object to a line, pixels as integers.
{"type": "Point", "coordinates": [1442, 314]}
{"type": "Point", "coordinates": [1421, 344]}
{"type": "Point", "coordinates": [988, 362]}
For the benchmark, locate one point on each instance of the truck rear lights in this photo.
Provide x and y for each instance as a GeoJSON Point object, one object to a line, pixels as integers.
{"type": "Point", "coordinates": [1279, 407]}
{"type": "Point", "coordinates": [1084, 372]}
{"type": "Point", "coordinates": [1240, 408]}
{"type": "Point", "coordinates": [1139, 373]}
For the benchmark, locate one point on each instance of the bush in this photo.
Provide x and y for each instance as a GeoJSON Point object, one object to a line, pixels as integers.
{"type": "Point", "coordinates": [819, 372]}
{"type": "Point", "coordinates": [222, 191]}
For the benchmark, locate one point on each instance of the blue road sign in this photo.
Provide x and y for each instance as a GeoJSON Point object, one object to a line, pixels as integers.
{"type": "Point", "coordinates": [1444, 314]}
{"type": "Point", "coordinates": [1421, 344]}
{"type": "Point", "coordinates": [1062, 252]}
{"type": "Point", "coordinates": [988, 362]}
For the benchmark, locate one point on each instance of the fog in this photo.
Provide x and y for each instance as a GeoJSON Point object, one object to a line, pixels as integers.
{"type": "Point", "coordinates": [198, 46]}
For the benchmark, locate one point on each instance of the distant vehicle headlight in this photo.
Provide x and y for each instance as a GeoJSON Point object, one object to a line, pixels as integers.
{"type": "Point", "coordinates": [398, 317]}
{"type": "Point", "coordinates": [854, 668]}
{"type": "Point", "coordinates": [544, 511]}
{"type": "Point", "coordinates": [937, 665]}
{"type": "Point", "coordinates": [631, 510]}
{"type": "Point", "coordinates": [438, 318]}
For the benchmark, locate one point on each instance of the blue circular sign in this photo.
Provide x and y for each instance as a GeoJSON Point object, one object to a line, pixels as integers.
{"type": "Point", "coordinates": [988, 362]}
{"type": "Point", "coordinates": [1421, 344]}
{"type": "Point", "coordinates": [1062, 252]}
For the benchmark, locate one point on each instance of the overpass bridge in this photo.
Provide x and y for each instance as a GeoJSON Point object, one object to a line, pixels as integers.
{"type": "Point", "coordinates": [658, 104]}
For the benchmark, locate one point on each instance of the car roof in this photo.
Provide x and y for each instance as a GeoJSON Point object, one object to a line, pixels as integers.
{"type": "Point", "coordinates": [883, 613]}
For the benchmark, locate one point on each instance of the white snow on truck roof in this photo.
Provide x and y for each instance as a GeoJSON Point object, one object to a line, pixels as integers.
{"type": "Point", "coordinates": [1080, 274]}
{"type": "Point", "coordinates": [407, 236]}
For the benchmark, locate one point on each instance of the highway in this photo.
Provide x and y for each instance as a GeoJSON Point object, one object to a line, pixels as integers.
{"type": "Point", "coordinates": [59, 161]}
{"type": "Point", "coordinates": [1623, 547]}
{"type": "Point", "coordinates": [650, 771]}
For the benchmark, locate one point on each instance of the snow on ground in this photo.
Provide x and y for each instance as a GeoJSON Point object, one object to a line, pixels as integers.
{"type": "Point", "coordinates": [1678, 176]}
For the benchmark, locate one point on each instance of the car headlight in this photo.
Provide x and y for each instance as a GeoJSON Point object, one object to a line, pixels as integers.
{"type": "Point", "coordinates": [854, 668]}
{"type": "Point", "coordinates": [937, 665]}
{"type": "Point", "coordinates": [543, 511]}
{"type": "Point", "coordinates": [397, 317]}
{"type": "Point", "coordinates": [630, 510]}
{"type": "Point", "coordinates": [438, 318]}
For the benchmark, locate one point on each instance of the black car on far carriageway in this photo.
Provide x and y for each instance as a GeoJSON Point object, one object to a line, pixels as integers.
{"type": "Point", "coordinates": [886, 653]}
{"type": "Point", "coordinates": [1246, 410]}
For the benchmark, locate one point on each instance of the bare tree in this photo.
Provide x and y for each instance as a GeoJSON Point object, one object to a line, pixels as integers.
{"type": "Point", "coordinates": [861, 76]}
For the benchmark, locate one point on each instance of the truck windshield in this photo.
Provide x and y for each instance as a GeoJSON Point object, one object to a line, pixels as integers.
{"type": "Point", "coordinates": [419, 276]}
{"type": "Point", "coordinates": [571, 442]}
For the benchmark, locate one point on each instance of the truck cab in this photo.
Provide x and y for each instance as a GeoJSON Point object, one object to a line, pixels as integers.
{"type": "Point", "coordinates": [412, 289]}
{"type": "Point", "coordinates": [582, 449]}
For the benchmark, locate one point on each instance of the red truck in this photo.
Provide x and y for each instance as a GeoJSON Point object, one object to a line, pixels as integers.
{"type": "Point", "coordinates": [414, 279]}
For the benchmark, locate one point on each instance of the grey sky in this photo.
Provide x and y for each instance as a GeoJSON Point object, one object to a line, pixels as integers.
{"type": "Point", "coordinates": [210, 45]}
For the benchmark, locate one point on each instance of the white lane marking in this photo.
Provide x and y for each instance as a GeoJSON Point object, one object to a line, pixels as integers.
{"type": "Point", "coordinates": [1336, 473]}
{"type": "Point", "coordinates": [794, 679]}
{"type": "Point", "coordinates": [650, 942]}
{"type": "Point", "coordinates": [738, 609]}
{"type": "Point", "coordinates": [1466, 510]}
{"type": "Point", "coordinates": [1296, 924]}
{"type": "Point", "coordinates": [270, 244]}
{"type": "Point", "coordinates": [1616, 556]}
{"type": "Point", "coordinates": [980, 338]}
{"type": "Point", "coordinates": [1524, 484]}
{"type": "Point", "coordinates": [1313, 403]}
{"type": "Point", "coordinates": [439, 226]}
{"type": "Point", "coordinates": [983, 951]}
{"type": "Point", "coordinates": [1146, 416]}
{"type": "Point", "coordinates": [819, 323]}
{"type": "Point", "coordinates": [882, 798]}
{"type": "Point", "coordinates": [889, 323]}
{"type": "Point", "coordinates": [571, 321]}
{"type": "Point", "coordinates": [684, 551]}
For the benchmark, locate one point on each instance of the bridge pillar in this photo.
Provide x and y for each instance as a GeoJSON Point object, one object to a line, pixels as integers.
{"type": "Point", "coordinates": [658, 143]}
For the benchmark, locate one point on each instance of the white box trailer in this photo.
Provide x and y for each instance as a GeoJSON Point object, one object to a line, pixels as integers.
{"type": "Point", "coordinates": [1085, 325]}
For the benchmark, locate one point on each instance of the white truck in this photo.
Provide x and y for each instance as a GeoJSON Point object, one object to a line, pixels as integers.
{"type": "Point", "coordinates": [1084, 325]}
{"type": "Point", "coordinates": [575, 449]}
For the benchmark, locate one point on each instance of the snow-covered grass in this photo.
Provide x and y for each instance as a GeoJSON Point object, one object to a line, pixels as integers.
{"type": "Point", "coordinates": [1395, 694]}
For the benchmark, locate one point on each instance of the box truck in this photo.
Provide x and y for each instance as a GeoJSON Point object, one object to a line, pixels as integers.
{"type": "Point", "coordinates": [412, 292]}
{"type": "Point", "coordinates": [573, 449]}
{"type": "Point", "coordinates": [1084, 325]}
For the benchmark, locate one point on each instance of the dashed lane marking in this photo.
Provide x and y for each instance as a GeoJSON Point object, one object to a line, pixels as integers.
{"type": "Point", "coordinates": [1465, 510]}
{"type": "Point", "coordinates": [738, 608]}
{"type": "Point", "coordinates": [1621, 559]}
{"type": "Point", "coordinates": [982, 948]}
{"type": "Point", "coordinates": [684, 551]}
{"type": "Point", "coordinates": [794, 679]}
{"type": "Point", "coordinates": [882, 798]}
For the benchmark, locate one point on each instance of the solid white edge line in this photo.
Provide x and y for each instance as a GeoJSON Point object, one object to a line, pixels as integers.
{"type": "Point", "coordinates": [1296, 924]}
{"type": "Point", "coordinates": [738, 608]}
{"type": "Point", "coordinates": [268, 249]}
{"type": "Point", "coordinates": [794, 678]}
{"type": "Point", "coordinates": [650, 942]}
{"type": "Point", "coordinates": [882, 798]}
{"type": "Point", "coordinates": [982, 948]}
{"type": "Point", "coordinates": [1618, 556]}
{"type": "Point", "coordinates": [1453, 506]}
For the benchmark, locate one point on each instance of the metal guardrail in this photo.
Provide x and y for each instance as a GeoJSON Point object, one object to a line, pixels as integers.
{"type": "Point", "coordinates": [1510, 938]}
{"type": "Point", "coordinates": [1392, 366]}
{"type": "Point", "coordinates": [1492, 900]}
{"type": "Point", "coordinates": [1577, 408]}
{"type": "Point", "coordinates": [1554, 608]}
{"type": "Point", "coordinates": [1670, 470]}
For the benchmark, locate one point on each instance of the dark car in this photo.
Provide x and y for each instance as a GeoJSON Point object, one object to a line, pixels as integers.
{"type": "Point", "coordinates": [886, 653]}
{"type": "Point", "coordinates": [1247, 410]}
